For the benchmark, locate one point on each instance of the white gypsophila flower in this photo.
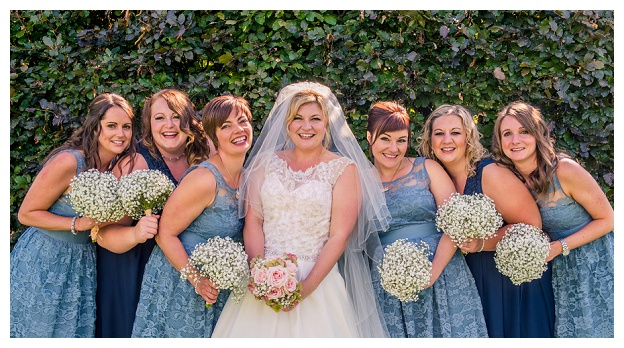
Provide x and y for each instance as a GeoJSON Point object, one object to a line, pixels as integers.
{"type": "Point", "coordinates": [94, 194]}
{"type": "Point", "coordinates": [464, 217]}
{"type": "Point", "coordinates": [224, 262]}
{"type": "Point", "coordinates": [143, 190]}
{"type": "Point", "coordinates": [405, 269]}
{"type": "Point", "coordinates": [521, 254]}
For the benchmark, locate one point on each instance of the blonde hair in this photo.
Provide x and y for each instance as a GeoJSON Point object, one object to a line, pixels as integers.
{"type": "Point", "coordinates": [474, 150]}
{"type": "Point", "coordinates": [306, 97]}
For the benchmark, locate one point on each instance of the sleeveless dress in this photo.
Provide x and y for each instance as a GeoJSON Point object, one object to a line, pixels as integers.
{"type": "Point", "coordinates": [53, 278]}
{"type": "Point", "coordinates": [297, 210]}
{"type": "Point", "coordinates": [525, 310]}
{"type": "Point", "coordinates": [449, 308]}
{"type": "Point", "coordinates": [168, 305]}
{"type": "Point", "coordinates": [119, 276]}
{"type": "Point", "coordinates": [583, 280]}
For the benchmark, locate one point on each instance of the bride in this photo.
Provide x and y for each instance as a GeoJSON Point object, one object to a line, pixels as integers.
{"type": "Point", "coordinates": [309, 190]}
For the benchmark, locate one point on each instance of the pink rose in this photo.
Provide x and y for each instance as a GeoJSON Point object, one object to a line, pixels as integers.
{"type": "Point", "coordinates": [275, 293]}
{"type": "Point", "coordinates": [277, 276]}
{"type": "Point", "coordinates": [292, 268]}
{"type": "Point", "coordinates": [291, 284]}
{"type": "Point", "coordinates": [259, 275]}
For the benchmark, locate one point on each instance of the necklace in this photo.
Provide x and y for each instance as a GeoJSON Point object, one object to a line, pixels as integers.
{"type": "Point", "coordinates": [230, 175]}
{"type": "Point", "coordinates": [173, 159]}
{"type": "Point", "coordinates": [395, 173]}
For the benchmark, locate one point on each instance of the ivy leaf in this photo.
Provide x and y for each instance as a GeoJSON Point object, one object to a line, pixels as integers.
{"type": "Point", "coordinates": [499, 74]}
{"type": "Point", "coordinates": [225, 58]}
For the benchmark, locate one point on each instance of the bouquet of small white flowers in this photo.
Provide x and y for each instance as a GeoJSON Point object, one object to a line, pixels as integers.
{"type": "Point", "coordinates": [273, 280]}
{"type": "Point", "coordinates": [94, 195]}
{"type": "Point", "coordinates": [405, 269]}
{"type": "Point", "coordinates": [465, 217]}
{"type": "Point", "coordinates": [144, 191]}
{"type": "Point", "coordinates": [521, 254]}
{"type": "Point", "coordinates": [224, 262]}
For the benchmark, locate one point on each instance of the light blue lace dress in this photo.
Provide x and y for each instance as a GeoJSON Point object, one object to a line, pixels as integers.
{"type": "Point", "coordinates": [583, 280]}
{"type": "Point", "coordinates": [449, 308]}
{"type": "Point", "coordinates": [168, 306]}
{"type": "Point", "coordinates": [53, 279]}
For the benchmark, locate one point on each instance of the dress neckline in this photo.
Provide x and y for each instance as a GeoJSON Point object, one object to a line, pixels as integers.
{"type": "Point", "coordinates": [307, 170]}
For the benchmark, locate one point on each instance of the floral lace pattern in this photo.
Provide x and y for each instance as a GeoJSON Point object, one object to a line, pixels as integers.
{"type": "Point", "coordinates": [53, 279]}
{"type": "Point", "coordinates": [310, 190]}
{"type": "Point", "coordinates": [451, 307]}
{"type": "Point", "coordinates": [583, 281]}
{"type": "Point", "coordinates": [169, 306]}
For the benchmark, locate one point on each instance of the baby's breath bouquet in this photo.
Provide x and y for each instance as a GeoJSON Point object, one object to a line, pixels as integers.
{"type": "Point", "coordinates": [521, 253]}
{"type": "Point", "coordinates": [224, 262]}
{"type": "Point", "coordinates": [465, 217]}
{"type": "Point", "coordinates": [94, 195]}
{"type": "Point", "coordinates": [273, 280]}
{"type": "Point", "coordinates": [405, 269]}
{"type": "Point", "coordinates": [144, 191]}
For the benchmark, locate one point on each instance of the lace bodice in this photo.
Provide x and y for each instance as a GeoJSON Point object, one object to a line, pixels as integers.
{"type": "Point", "coordinates": [296, 206]}
{"type": "Point", "coordinates": [561, 215]}
{"type": "Point", "coordinates": [409, 199]}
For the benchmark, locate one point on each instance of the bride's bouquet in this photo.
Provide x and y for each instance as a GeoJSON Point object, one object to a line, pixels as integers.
{"type": "Point", "coordinates": [144, 191]}
{"type": "Point", "coordinates": [521, 254]}
{"type": "Point", "coordinates": [273, 280]}
{"type": "Point", "coordinates": [465, 217]}
{"type": "Point", "coordinates": [405, 269]}
{"type": "Point", "coordinates": [223, 261]}
{"type": "Point", "coordinates": [94, 195]}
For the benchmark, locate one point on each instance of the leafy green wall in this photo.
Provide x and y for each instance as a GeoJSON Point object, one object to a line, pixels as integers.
{"type": "Point", "coordinates": [560, 61]}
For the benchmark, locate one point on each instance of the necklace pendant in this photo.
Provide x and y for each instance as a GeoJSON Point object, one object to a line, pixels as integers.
{"type": "Point", "coordinates": [384, 189]}
{"type": "Point", "coordinates": [236, 195]}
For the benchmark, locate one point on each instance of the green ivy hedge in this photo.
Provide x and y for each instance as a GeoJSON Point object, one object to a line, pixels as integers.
{"type": "Point", "coordinates": [560, 61]}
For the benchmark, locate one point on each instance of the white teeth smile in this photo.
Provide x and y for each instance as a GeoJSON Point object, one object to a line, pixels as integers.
{"type": "Point", "coordinates": [390, 156]}
{"type": "Point", "coordinates": [517, 149]}
{"type": "Point", "coordinates": [239, 140]}
{"type": "Point", "coordinates": [448, 148]}
{"type": "Point", "coordinates": [170, 134]}
{"type": "Point", "coordinates": [307, 136]}
{"type": "Point", "coordinates": [117, 142]}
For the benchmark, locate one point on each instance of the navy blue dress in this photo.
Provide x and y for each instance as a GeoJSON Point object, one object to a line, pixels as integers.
{"type": "Point", "coordinates": [525, 310]}
{"type": "Point", "coordinates": [119, 276]}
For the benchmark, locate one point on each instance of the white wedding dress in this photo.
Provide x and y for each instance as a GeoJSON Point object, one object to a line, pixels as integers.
{"type": "Point", "coordinates": [297, 211]}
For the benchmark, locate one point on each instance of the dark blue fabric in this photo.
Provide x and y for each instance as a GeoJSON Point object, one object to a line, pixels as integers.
{"type": "Point", "coordinates": [525, 310]}
{"type": "Point", "coordinates": [119, 276]}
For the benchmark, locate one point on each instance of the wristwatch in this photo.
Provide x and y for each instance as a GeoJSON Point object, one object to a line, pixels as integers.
{"type": "Point", "coordinates": [565, 248]}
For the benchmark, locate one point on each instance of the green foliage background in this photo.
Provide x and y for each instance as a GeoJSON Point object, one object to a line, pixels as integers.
{"type": "Point", "coordinates": [560, 61]}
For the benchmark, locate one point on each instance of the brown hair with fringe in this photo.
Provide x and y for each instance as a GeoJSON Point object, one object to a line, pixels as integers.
{"type": "Point", "coordinates": [217, 111]}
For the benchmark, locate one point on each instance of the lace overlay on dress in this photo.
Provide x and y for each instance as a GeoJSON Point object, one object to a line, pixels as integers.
{"type": "Point", "coordinates": [305, 230]}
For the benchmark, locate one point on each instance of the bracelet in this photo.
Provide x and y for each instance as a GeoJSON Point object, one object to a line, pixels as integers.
{"type": "Point", "coordinates": [190, 273]}
{"type": "Point", "coordinates": [73, 225]}
{"type": "Point", "coordinates": [482, 245]}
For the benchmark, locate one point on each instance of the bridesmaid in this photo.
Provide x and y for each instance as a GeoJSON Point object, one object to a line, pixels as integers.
{"type": "Point", "coordinates": [575, 213]}
{"type": "Point", "coordinates": [414, 187]}
{"type": "Point", "coordinates": [450, 137]}
{"type": "Point", "coordinates": [53, 272]}
{"type": "Point", "coordinates": [173, 139]}
{"type": "Point", "coordinates": [204, 205]}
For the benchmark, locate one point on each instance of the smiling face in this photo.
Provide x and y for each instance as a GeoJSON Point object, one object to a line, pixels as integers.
{"type": "Point", "coordinates": [235, 134]}
{"type": "Point", "coordinates": [389, 148]}
{"type": "Point", "coordinates": [165, 127]}
{"type": "Point", "coordinates": [448, 139]}
{"type": "Point", "coordinates": [516, 142]}
{"type": "Point", "coordinates": [115, 134]}
{"type": "Point", "coordinates": [307, 129]}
